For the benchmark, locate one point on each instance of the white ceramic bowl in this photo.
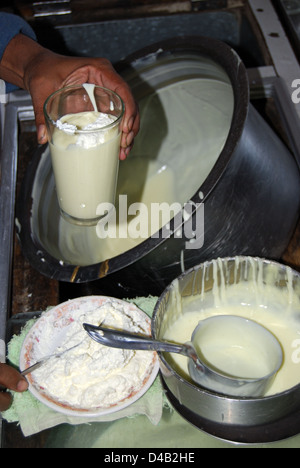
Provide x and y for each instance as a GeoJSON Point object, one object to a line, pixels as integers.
{"type": "Point", "coordinates": [62, 316]}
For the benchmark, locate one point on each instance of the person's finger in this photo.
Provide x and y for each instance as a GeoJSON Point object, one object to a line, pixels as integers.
{"type": "Point", "coordinates": [105, 75]}
{"type": "Point", "coordinates": [42, 134]}
{"type": "Point", "coordinates": [38, 100]}
{"type": "Point", "coordinates": [39, 118]}
{"type": "Point", "coordinates": [131, 116]}
{"type": "Point", "coordinates": [12, 379]}
{"type": "Point", "coordinates": [122, 155]}
{"type": "Point", "coordinates": [129, 124]}
{"type": "Point", "coordinates": [124, 152]}
{"type": "Point", "coordinates": [127, 139]}
{"type": "Point", "coordinates": [5, 401]}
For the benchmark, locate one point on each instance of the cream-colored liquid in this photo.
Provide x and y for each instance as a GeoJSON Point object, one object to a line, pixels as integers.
{"type": "Point", "coordinates": [82, 245]}
{"type": "Point", "coordinates": [184, 127]}
{"type": "Point", "coordinates": [235, 348]}
{"type": "Point", "coordinates": [276, 309]}
{"type": "Point", "coordinates": [85, 166]}
{"type": "Point", "coordinates": [240, 362]}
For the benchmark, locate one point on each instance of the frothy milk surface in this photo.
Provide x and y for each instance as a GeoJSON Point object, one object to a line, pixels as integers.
{"type": "Point", "coordinates": [85, 162]}
{"type": "Point", "coordinates": [277, 309]}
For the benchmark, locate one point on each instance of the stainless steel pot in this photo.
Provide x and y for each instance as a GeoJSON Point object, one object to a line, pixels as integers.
{"type": "Point", "coordinates": [251, 196]}
{"type": "Point", "coordinates": [247, 420]}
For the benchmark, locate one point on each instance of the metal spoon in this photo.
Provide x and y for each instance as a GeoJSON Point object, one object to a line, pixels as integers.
{"type": "Point", "coordinates": [200, 371]}
{"type": "Point", "coordinates": [39, 363]}
{"type": "Point", "coordinates": [42, 361]}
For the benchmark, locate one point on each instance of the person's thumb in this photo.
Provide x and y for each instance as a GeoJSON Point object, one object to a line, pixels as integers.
{"type": "Point", "coordinates": [41, 134]}
{"type": "Point", "coordinates": [38, 105]}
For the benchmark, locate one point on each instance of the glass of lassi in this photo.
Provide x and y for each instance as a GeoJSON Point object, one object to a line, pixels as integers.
{"type": "Point", "coordinates": [84, 133]}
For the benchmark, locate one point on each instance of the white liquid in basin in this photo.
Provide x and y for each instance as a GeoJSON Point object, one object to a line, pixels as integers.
{"type": "Point", "coordinates": [276, 309]}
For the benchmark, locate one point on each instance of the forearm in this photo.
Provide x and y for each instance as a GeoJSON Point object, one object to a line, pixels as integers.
{"type": "Point", "coordinates": [26, 64]}
{"type": "Point", "coordinates": [20, 54]}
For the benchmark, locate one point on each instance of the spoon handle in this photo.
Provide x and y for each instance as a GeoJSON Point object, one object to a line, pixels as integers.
{"type": "Point", "coordinates": [124, 340]}
{"type": "Point", "coordinates": [32, 368]}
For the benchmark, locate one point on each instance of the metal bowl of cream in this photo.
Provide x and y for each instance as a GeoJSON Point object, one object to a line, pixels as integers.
{"type": "Point", "coordinates": [261, 290]}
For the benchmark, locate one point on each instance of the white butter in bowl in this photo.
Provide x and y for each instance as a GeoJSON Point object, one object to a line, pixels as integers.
{"type": "Point", "coordinates": [90, 379]}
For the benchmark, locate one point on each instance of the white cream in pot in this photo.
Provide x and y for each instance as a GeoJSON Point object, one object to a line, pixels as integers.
{"type": "Point", "coordinates": [90, 375]}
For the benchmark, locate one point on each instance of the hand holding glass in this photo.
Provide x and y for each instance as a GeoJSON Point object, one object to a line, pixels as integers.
{"type": "Point", "coordinates": [83, 124]}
